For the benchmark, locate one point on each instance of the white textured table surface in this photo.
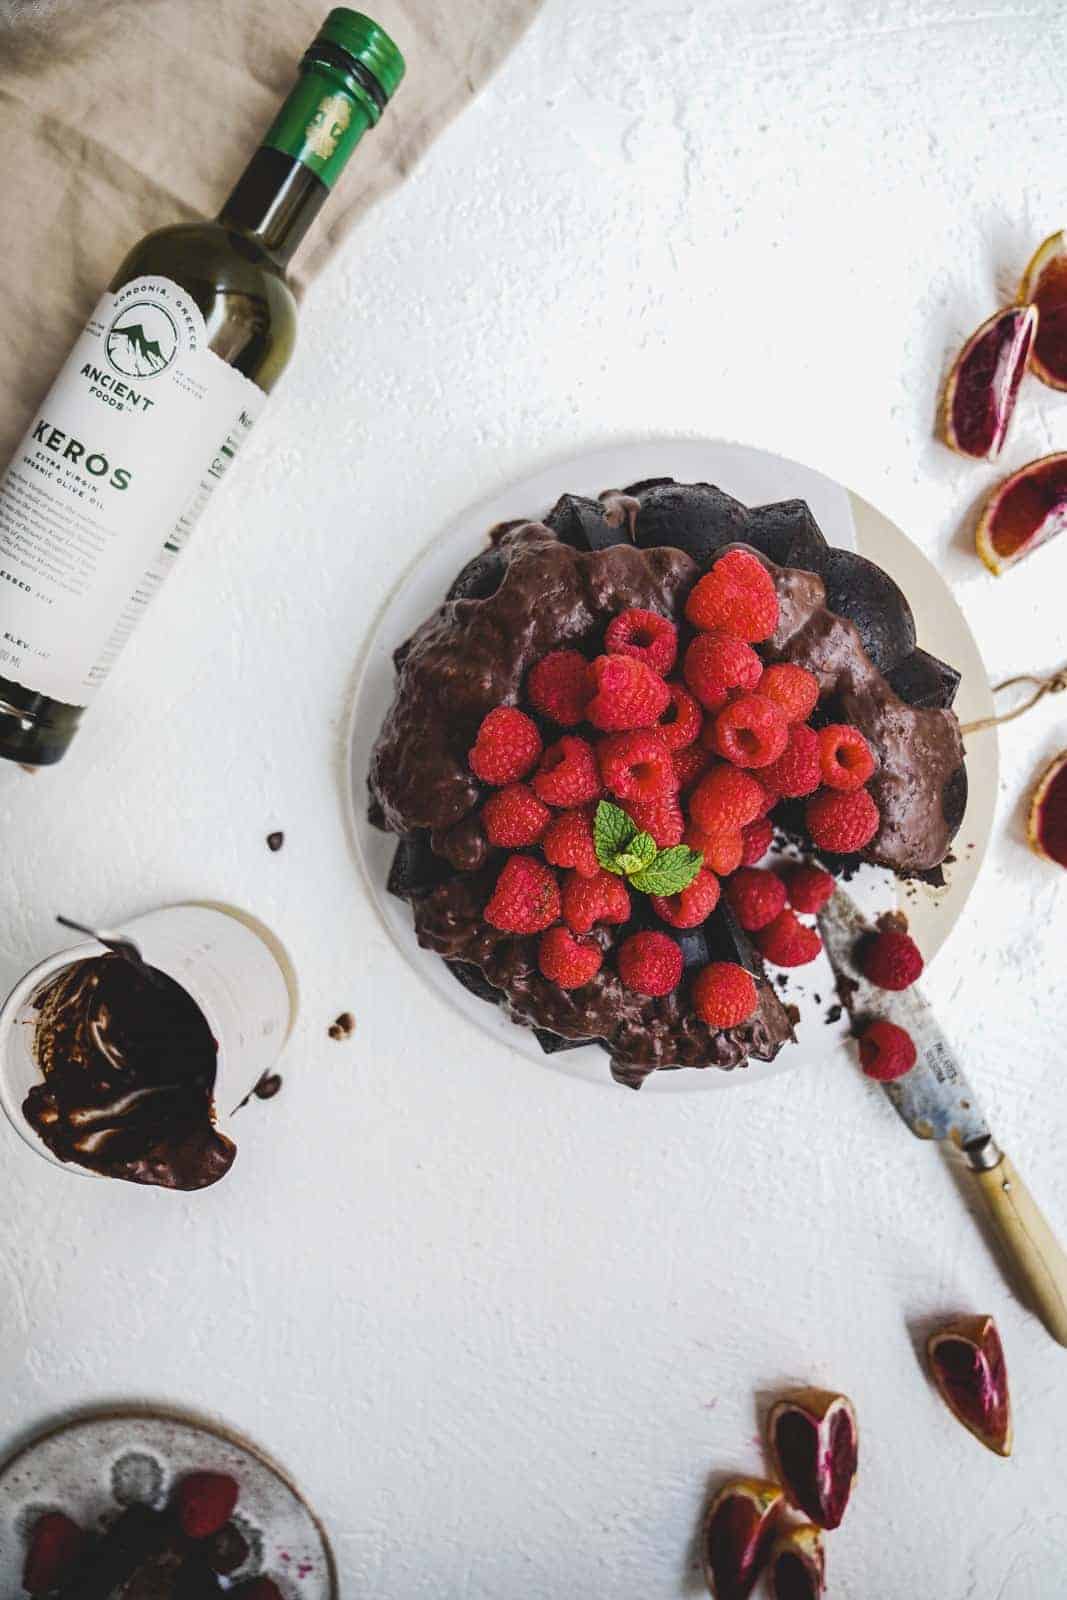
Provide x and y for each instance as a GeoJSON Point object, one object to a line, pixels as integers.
{"type": "Point", "coordinates": [500, 1324]}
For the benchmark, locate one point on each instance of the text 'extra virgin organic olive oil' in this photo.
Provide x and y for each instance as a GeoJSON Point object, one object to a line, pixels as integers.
{"type": "Point", "coordinates": [157, 397]}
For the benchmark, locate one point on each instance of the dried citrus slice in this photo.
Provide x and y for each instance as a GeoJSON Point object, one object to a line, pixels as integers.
{"type": "Point", "coordinates": [984, 383]}
{"type": "Point", "coordinates": [1023, 512]}
{"type": "Point", "coordinates": [1047, 823]}
{"type": "Point", "coordinates": [1044, 285]}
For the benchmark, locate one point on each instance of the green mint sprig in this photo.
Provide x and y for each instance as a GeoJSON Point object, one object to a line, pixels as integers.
{"type": "Point", "coordinates": [622, 848]}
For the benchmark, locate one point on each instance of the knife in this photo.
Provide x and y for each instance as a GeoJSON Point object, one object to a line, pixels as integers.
{"type": "Point", "coordinates": [937, 1102]}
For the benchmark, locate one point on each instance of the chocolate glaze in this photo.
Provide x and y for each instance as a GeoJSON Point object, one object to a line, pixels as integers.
{"type": "Point", "coordinates": [543, 592]}
{"type": "Point", "coordinates": [128, 1067]}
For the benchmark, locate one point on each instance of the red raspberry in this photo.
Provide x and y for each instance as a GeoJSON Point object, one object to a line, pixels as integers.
{"type": "Point", "coordinates": [891, 960]}
{"type": "Point", "coordinates": [507, 746]}
{"type": "Point", "coordinates": [751, 731]}
{"type": "Point", "coordinates": [716, 664]}
{"type": "Point", "coordinates": [756, 840]}
{"type": "Point", "coordinates": [796, 773]}
{"type": "Point", "coordinates": [560, 686]}
{"type": "Point", "coordinates": [786, 942]}
{"type": "Point", "coordinates": [568, 842]}
{"type": "Point", "coordinates": [841, 822]}
{"type": "Point", "coordinates": [567, 774]}
{"type": "Point", "coordinates": [637, 766]}
{"type": "Point", "coordinates": [650, 963]}
{"type": "Point", "coordinates": [590, 900]}
{"type": "Point", "coordinates": [514, 816]}
{"type": "Point", "coordinates": [661, 818]}
{"type": "Point", "coordinates": [845, 757]}
{"type": "Point", "coordinates": [886, 1051]}
{"type": "Point", "coordinates": [738, 594]}
{"type": "Point", "coordinates": [526, 898]}
{"type": "Point", "coordinates": [204, 1502]}
{"type": "Point", "coordinates": [692, 905]}
{"type": "Point", "coordinates": [646, 636]}
{"type": "Point", "coordinates": [628, 695]}
{"type": "Point", "coordinates": [689, 765]}
{"type": "Point", "coordinates": [722, 851]}
{"type": "Point", "coordinates": [755, 896]}
{"type": "Point", "coordinates": [771, 796]}
{"type": "Point", "coordinates": [809, 888]}
{"type": "Point", "coordinates": [724, 995]}
{"type": "Point", "coordinates": [55, 1545]}
{"type": "Point", "coordinates": [681, 723]}
{"type": "Point", "coordinates": [568, 961]}
{"type": "Point", "coordinates": [793, 688]}
{"type": "Point", "coordinates": [725, 800]}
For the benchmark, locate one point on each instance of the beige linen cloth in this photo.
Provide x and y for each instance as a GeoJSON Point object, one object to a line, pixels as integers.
{"type": "Point", "coordinates": [119, 116]}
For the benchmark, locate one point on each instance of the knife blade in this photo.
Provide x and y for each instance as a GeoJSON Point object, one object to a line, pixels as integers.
{"type": "Point", "coordinates": [936, 1101]}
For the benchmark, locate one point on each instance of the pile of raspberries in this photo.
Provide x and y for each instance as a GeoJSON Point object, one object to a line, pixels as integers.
{"type": "Point", "coordinates": [699, 757]}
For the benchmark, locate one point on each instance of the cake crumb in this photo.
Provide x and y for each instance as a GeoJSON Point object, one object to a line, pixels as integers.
{"type": "Point", "coordinates": [268, 1086]}
{"type": "Point", "coordinates": [275, 840]}
{"type": "Point", "coordinates": [342, 1027]}
{"type": "Point", "coordinates": [833, 1013]}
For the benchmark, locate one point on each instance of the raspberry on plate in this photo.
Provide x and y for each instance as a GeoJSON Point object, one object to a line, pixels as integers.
{"type": "Point", "coordinates": [722, 851]}
{"type": "Point", "coordinates": [204, 1502]}
{"type": "Point", "coordinates": [755, 897]}
{"type": "Point", "coordinates": [725, 800]}
{"type": "Point", "coordinates": [724, 995]}
{"type": "Point", "coordinates": [786, 942]}
{"type": "Point", "coordinates": [514, 816]}
{"type": "Point", "coordinates": [692, 906]}
{"type": "Point", "coordinates": [796, 773]}
{"type": "Point", "coordinates": [560, 686]}
{"type": "Point", "coordinates": [628, 695]}
{"type": "Point", "coordinates": [568, 774]}
{"type": "Point", "coordinates": [506, 748]}
{"type": "Point", "coordinates": [841, 822]}
{"type": "Point", "coordinates": [756, 840]}
{"type": "Point", "coordinates": [568, 841]}
{"type": "Point", "coordinates": [637, 766]}
{"type": "Point", "coordinates": [793, 688]}
{"type": "Point", "coordinates": [891, 960]}
{"type": "Point", "coordinates": [738, 594]}
{"type": "Point", "coordinates": [845, 757]}
{"type": "Point", "coordinates": [716, 664]}
{"type": "Point", "coordinates": [886, 1051]}
{"type": "Point", "coordinates": [809, 887]}
{"type": "Point", "coordinates": [587, 901]}
{"type": "Point", "coordinates": [751, 731]}
{"type": "Point", "coordinates": [55, 1546]}
{"type": "Point", "coordinates": [650, 963]}
{"type": "Point", "coordinates": [662, 818]}
{"type": "Point", "coordinates": [646, 636]}
{"type": "Point", "coordinates": [568, 961]}
{"type": "Point", "coordinates": [682, 721]}
{"type": "Point", "coordinates": [526, 898]}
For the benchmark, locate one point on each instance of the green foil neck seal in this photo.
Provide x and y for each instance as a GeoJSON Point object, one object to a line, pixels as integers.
{"type": "Point", "coordinates": [347, 78]}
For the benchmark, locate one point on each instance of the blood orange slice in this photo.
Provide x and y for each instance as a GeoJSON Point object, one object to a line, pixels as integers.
{"type": "Point", "coordinates": [984, 383]}
{"type": "Point", "coordinates": [1044, 285]}
{"type": "Point", "coordinates": [1025, 511]}
{"type": "Point", "coordinates": [1047, 822]}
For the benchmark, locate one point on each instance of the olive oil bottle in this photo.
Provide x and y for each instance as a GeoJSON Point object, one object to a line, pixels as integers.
{"type": "Point", "coordinates": [158, 395]}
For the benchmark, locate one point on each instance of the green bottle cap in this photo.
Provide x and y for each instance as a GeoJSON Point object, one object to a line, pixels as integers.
{"type": "Point", "coordinates": [368, 45]}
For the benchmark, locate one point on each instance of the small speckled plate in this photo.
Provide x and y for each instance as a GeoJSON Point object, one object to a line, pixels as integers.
{"type": "Point", "coordinates": [754, 477]}
{"type": "Point", "coordinates": [92, 1467]}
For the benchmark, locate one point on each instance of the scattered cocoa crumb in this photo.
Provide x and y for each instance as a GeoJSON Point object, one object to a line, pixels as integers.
{"type": "Point", "coordinates": [818, 999]}
{"type": "Point", "coordinates": [343, 1027]}
{"type": "Point", "coordinates": [275, 840]}
{"type": "Point", "coordinates": [893, 922]}
{"type": "Point", "coordinates": [782, 979]}
{"type": "Point", "coordinates": [950, 860]}
{"type": "Point", "coordinates": [793, 1013]}
{"type": "Point", "coordinates": [268, 1086]}
{"type": "Point", "coordinates": [834, 1013]}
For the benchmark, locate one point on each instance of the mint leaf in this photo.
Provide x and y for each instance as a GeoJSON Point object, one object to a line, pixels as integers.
{"type": "Point", "coordinates": [672, 871]}
{"type": "Point", "coordinates": [644, 847]}
{"type": "Point", "coordinates": [612, 835]}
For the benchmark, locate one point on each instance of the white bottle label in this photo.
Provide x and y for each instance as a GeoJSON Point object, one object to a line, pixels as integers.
{"type": "Point", "coordinates": [138, 428]}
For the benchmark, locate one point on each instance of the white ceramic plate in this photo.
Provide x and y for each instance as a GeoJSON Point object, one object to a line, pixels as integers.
{"type": "Point", "coordinates": [755, 477]}
{"type": "Point", "coordinates": [93, 1467]}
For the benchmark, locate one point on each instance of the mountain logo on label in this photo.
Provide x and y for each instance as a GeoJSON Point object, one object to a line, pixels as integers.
{"type": "Point", "coordinates": [142, 341]}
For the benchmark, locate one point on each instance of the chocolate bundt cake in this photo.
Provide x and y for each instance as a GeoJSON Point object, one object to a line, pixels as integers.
{"type": "Point", "coordinates": [545, 586]}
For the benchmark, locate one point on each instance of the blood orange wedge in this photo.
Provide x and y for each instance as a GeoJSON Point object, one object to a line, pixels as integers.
{"type": "Point", "coordinates": [1023, 512]}
{"type": "Point", "coordinates": [984, 383]}
{"type": "Point", "coordinates": [1044, 285]}
{"type": "Point", "coordinates": [1047, 823]}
